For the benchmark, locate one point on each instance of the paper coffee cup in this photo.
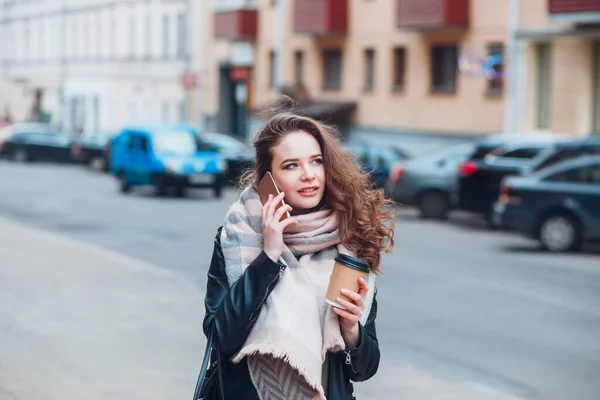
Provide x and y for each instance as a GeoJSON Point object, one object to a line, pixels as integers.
{"type": "Point", "coordinates": [346, 271]}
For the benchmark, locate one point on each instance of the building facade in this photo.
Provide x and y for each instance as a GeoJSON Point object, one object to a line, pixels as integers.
{"type": "Point", "coordinates": [417, 66]}
{"type": "Point", "coordinates": [431, 66]}
{"type": "Point", "coordinates": [98, 64]}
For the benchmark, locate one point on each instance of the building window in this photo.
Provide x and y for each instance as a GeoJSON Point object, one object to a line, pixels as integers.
{"type": "Point", "coordinates": [299, 68]}
{"type": "Point", "coordinates": [112, 35]}
{"type": "Point", "coordinates": [41, 48]}
{"type": "Point", "coordinates": [75, 41]}
{"type": "Point", "coordinates": [444, 68]}
{"type": "Point", "coordinates": [181, 37]}
{"type": "Point", "coordinates": [543, 85]}
{"type": "Point", "coordinates": [272, 69]}
{"type": "Point", "coordinates": [99, 37]}
{"type": "Point", "coordinates": [26, 40]}
{"type": "Point", "coordinates": [494, 69]}
{"type": "Point", "coordinates": [399, 68]}
{"type": "Point", "coordinates": [369, 70]}
{"type": "Point", "coordinates": [86, 50]}
{"type": "Point", "coordinates": [332, 70]}
{"type": "Point", "coordinates": [132, 36]}
{"type": "Point", "coordinates": [148, 39]}
{"type": "Point", "coordinates": [166, 36]}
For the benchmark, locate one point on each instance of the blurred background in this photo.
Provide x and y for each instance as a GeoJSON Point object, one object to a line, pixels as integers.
{"type": "Point", "coordinates": [125, 125]}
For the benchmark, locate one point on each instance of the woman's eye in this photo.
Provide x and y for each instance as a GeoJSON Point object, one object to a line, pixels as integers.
{"type": "Point", "coordinates": [291, 166]}
{"type": "Point", "coordinates": [318, 161]}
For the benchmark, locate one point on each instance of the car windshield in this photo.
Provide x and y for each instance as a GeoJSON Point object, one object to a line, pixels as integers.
{"type": "Point", "coordinates": [225, 143]}
{"type": "Point", "coordinates": [97, 139]}
{"type": "Point", "coordinates": [179, 143]}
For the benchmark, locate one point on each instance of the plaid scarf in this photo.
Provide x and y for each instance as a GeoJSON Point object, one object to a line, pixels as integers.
{"type": "Point", "coordinates": [295, 328]}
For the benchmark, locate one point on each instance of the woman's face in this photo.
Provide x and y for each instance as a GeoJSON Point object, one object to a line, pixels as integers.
{"type": "Point", "coordinates": [297, 168]}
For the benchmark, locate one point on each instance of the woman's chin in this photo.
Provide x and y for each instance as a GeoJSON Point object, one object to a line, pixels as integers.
{"type": "Point", "coordinates": [303, 205]}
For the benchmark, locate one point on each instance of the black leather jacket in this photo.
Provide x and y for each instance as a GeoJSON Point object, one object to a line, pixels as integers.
{"type": "Point", "coordinates": [234, 311]}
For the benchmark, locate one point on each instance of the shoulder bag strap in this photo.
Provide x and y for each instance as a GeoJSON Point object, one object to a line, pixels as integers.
{"type": "Point", "coordinates": [204, 367]}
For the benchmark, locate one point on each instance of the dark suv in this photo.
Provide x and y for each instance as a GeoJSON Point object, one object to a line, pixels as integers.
{"type": "Point", "coordinates": [493, 159]}
{"type": "Point", "coordinates": [565, 151]}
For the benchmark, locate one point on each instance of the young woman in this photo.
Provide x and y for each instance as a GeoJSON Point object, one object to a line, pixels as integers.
{"type": "Point", "coordinates": [265, 299]}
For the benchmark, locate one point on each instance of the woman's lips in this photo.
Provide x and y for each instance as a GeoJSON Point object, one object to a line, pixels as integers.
{"type": "Point", "coordinates": [309, 192]}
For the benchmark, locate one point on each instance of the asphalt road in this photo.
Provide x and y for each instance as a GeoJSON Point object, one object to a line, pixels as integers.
{"type": "Point", "coordinates": [485, 309]}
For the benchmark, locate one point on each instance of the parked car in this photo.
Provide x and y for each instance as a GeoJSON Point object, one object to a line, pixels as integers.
{"type": "Point", "coordinates": [559, 205]}
{"type": "Point", "coordinates": [29, 142]}
{"type": "Point", "coordinates": [166, 157]}
{"type": "Point", "coordinates": [91, 150]}
{"type": "Point", "coordinates": [563, 151]}
{"type": "Point", "coordinates": [377, 160]}
{"type": "Point", "coordinates": [24, 127]}
{"type": "Point", "coordinates": [238, 155]}
{"type": "Point", "coordinates": [493, 159]}
{"type": "Point", "coordinates": [428, 181]}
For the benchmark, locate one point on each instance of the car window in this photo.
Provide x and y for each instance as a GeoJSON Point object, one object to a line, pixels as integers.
{"type": "Point", "coordinates": [385, 156]}
{"type": "Point", "coordinates": [37, 138]}
{"type": "Point", "coordinates": [589, 174]}
{"type": "Point", "coordinates": [522, 153]}
{"type": "Point", "coordinates": [206, 146]}
{"type": "Point", "coordinates": [555, 158]}
{"type": "Point", "coordinates": [179, 143]}
{"type": "Point", "coordinates": [131, 141]}
{"type": "Point", "coordinates": [224, 143]}
{"type": "Point", "coordinates": [565, 154]}
{"type": "Point", "coordinates": [480, 152]}
{"type": "Point", "coordinates": [143, 144]}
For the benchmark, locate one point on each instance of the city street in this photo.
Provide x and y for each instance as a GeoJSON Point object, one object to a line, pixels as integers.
{"type": "Point", "coordinates": [468, 309]}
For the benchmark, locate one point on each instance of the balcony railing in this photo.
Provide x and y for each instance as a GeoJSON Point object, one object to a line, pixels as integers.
{"type": "Point", "coordinates": [321, 17]}
{"type": "Point", "coordinates": [575, 11]}
{"type": "Point", "coordinates": [432, 14]}
{"type": "Point", "coordinates": [236, 19]}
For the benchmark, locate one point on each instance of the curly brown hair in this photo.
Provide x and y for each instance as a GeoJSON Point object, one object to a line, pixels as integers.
{"type": "Point", "coordinates": [366, 223]}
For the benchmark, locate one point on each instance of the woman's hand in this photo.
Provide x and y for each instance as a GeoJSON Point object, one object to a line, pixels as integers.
{"type": "Point", "coordinates": [272, 226]}
{"type": "Point", "coordinates": [354, 310]}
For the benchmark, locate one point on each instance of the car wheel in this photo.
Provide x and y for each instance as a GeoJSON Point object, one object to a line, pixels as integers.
{"type": "Point", "coordinates": [560, 232]}
{"type": "Point", "coordinates": [160, 186]}
{"type": "Point", "coordinates": [20, 155]}
{"type": "Point", "coordinates": [218, 190]}
{"type": "Point", "coordinates": [124, 187]}
{"type": "Point", "coordinates": [180, 191]}
{"type": "Point", "coordinates": [433, 204]}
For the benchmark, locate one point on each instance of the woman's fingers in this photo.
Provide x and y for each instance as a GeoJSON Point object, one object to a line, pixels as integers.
{"type": "Point", "coordinates": [355, 297]}
{"type": "Point", "coordinates": [271, 205]}
{"type": "Point", "coordinates": [351, 307]}
{"type": "Point", "coordinates": [345, 314]}
{"type": "Point", "coordinates": [279, 213]}
{"type": "Point", "coordinates": [363, 287]}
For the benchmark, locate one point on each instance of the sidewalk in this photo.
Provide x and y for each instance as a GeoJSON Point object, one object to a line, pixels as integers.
{"type": "Point", "coordinates": [79, 322]}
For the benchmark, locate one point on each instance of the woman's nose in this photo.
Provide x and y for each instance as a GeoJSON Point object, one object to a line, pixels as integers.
{"type": "Point", "coordinates": [308, 174]}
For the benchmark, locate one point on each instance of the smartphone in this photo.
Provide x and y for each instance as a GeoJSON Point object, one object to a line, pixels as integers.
{"type": "Point", "coordinates": [266, 187]}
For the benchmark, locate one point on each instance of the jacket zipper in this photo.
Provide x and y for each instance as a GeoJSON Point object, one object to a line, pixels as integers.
{"type": "Point", "coordinates": [278, 277]}
{"type": "Point", "coordinates": [349, 361]}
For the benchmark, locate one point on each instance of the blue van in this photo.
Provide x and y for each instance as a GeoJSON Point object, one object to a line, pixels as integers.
{"type": "Point", "coordinates": [166, 157]}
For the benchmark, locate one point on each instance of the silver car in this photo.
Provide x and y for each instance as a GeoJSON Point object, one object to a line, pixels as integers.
{"type": "Point", "coordinates": [429, 181]}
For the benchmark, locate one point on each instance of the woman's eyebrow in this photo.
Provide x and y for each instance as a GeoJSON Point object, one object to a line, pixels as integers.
{"type": "Point", "coordinates": [296, 159]}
